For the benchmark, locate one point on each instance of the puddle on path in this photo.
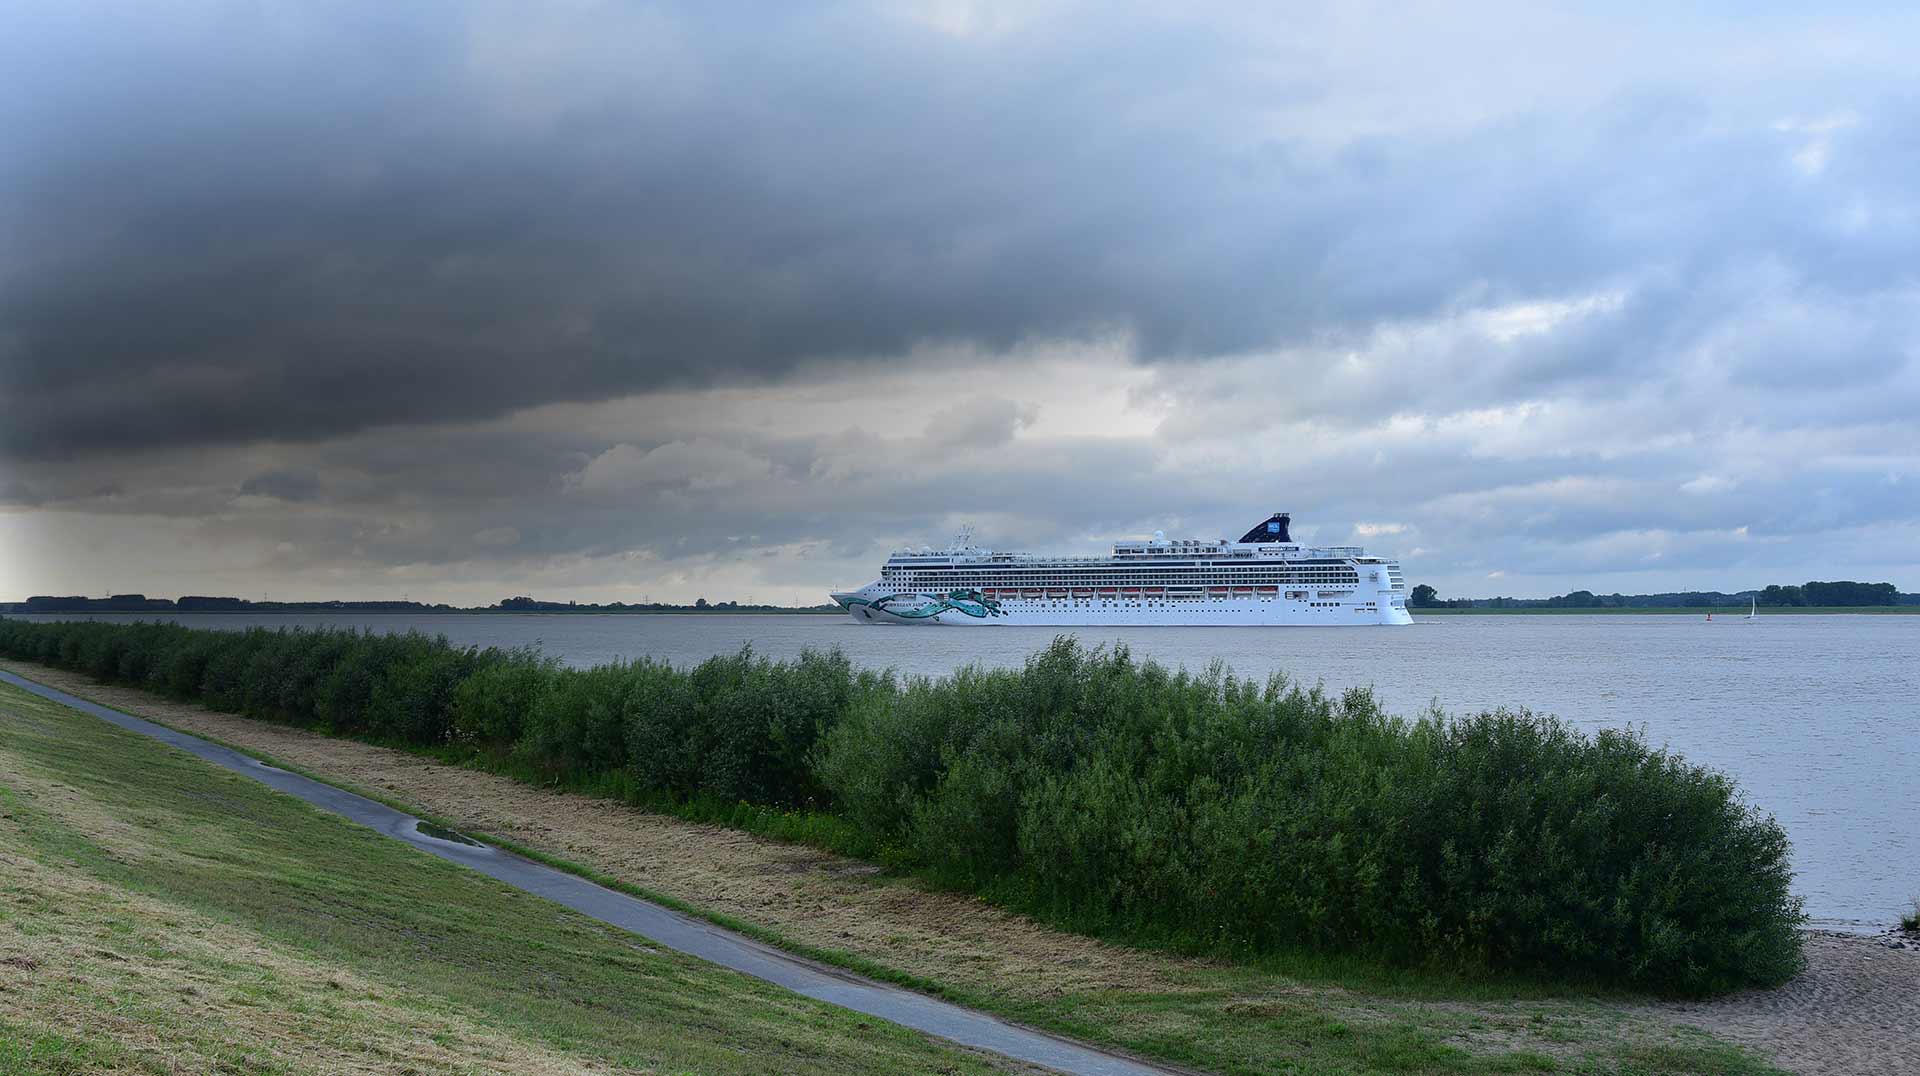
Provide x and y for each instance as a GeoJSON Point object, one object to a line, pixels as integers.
{"type": "Point", "coordinates": [442, 833]}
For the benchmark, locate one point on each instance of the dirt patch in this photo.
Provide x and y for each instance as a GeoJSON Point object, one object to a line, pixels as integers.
{"type": "Point", "coordinates": [1853, 1010]}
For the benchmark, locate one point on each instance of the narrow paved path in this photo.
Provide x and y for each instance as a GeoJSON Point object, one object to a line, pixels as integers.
{"type": "Point", "coordinates": [661, 925]}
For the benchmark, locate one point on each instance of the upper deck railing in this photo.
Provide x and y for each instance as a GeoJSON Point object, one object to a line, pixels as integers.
{"type": "Point", "coordinates": [1128, 551]}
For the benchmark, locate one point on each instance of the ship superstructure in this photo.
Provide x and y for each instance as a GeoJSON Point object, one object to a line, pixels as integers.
{"type": "Point", "coordinates": [1264, 578]}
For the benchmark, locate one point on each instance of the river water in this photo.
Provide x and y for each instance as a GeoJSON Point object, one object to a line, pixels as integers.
{"type": "Point", "coordinates": [1816, 717]}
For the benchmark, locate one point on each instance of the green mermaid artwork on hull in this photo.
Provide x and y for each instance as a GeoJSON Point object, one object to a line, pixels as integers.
{"type": "Point", "coordinates": [968, 602]}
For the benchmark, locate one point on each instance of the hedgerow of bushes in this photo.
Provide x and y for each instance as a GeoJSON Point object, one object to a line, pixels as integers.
{"type": "Point", "coordinates": [1094, 791]}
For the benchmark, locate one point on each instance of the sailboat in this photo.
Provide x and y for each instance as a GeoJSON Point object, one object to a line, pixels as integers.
{"type": "Point", "coordinates": [1754, 611]}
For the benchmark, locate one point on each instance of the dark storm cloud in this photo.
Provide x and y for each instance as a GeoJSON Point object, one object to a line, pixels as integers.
{"type": "Point", "coordinates": [286, 485]}
{"type": "Point", "coordinates": [245, 222]}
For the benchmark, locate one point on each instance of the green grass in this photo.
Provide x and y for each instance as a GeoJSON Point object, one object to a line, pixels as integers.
{"type": "Point", "coordinates": [26, 1049]}
{"type": "Point", "coordinates": [1295, 1015]}
{"type": "Point", "coordinates": [161, 830]}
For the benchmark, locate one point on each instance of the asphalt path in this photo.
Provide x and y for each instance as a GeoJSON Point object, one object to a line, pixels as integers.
{"type": "Point", "coordinates": [662, 926]}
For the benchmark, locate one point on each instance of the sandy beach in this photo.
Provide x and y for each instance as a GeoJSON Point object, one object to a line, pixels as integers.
{"type": "Point", "coordinates": [1854, 1011]}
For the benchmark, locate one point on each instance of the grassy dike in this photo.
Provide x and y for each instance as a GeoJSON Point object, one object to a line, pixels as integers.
{"type": "Point", "coordinates": [1288, 1013]}
{"type": "Point", "coordinates": [1258, 1013]}
{"type": "Point", "coordinates": [158, 914]}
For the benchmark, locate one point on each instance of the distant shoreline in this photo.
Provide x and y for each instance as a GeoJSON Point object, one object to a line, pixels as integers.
{"type": "Point", "coordinates": [1698, 610]}
{"type": "Point", "coordinates": [1739, 612]}
{"type": "Point", "coordinates": [422, 612]}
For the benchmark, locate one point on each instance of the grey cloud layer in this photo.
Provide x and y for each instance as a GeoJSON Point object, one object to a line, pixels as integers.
{"type": "Point", "coordinates": [1576, 489]}
{"type": "Point", "coordinates": [251, 222]}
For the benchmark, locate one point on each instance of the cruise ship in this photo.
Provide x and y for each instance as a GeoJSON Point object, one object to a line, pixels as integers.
{"type": "Point", "coordinates": [1264, 578]}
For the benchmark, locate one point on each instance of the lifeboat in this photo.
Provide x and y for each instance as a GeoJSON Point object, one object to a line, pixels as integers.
{"type": "Point", "coordinates": [1130, 590]}
{"type": "Point", "coordinates": [1267, 590]}
{"type": "Point", "coordinates": [1217, 590]}
{"type": "Point", "coordinates": [1083, 592]}
{"type": "Point", "coordinates": [1156, 590]}
{"type": "Point", "coordinates": [1106, 592]}
{"type": "Point", "coordinates": [1030, 594]}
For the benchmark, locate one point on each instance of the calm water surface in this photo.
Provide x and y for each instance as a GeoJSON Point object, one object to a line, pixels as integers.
{"type": "Point", "coordinates": [1817, 717]}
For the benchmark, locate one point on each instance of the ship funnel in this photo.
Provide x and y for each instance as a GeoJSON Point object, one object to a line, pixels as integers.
{"type": "Point", "coordinates": [1272, 529]}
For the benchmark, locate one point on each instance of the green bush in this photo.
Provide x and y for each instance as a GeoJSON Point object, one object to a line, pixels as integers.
{"type": "Point", "coordinates": [182, 668]}
{"type": "Point", "coordinates": [1223, 815]}
{"type": "Point", "coordinates": [1100, 793]}
{"type": "Point", "coordinates": [738, 728]}
{"type": "Point", "coordinates": [412, 700]}
{"type": "Point", "coordinates": [576, 728]}
{"type": "Point", "coordinates": [223, 686]}
{"type": "Point", "coordinates": [313, 657]}
{"type": "Point", "coordinates": [488, 708]}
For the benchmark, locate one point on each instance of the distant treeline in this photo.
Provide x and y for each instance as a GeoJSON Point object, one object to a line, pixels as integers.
{"type": "Point", "coordinates": [140, 603]}
{"type": "Point", "coordinates": [529, 605]}
{"type": "Point", "coordinates": [1841, 593]}
{"type": "Point", "coordinates": [1088, 789]}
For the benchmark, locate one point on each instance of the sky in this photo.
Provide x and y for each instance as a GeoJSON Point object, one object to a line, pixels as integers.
{"type": "Point", "coordinates": [626, 301]}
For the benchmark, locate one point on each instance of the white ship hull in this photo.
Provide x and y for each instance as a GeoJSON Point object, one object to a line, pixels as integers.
{"type": "Point", "coordinates": [924, 609]}
{"type": "Point", "coordinates": [1263, 579]}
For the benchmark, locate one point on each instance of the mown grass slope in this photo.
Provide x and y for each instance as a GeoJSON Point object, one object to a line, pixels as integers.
{"type": "Point", "coordinates": [158, 914]}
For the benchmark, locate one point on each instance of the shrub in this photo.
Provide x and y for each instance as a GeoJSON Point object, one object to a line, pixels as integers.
{"type": "Point", "coordinates": [1220, 814]}
{"type": "Point", "coordinates": [411, 700]}
{"type": "Point", "coordinates": [314, 655]}
{"type": "Point", "coordinates": [738, 728]}
{"type": "Point", "coordinates": [223, 684]}
{"type": "Point", "coordinates": [488, 709]}
{"type": "Point", "coordinates": [133, 660]}
{"type": "Point", "coordinates": [575, 728]}
{"type": "Point", "coordinates": [344, 693]}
